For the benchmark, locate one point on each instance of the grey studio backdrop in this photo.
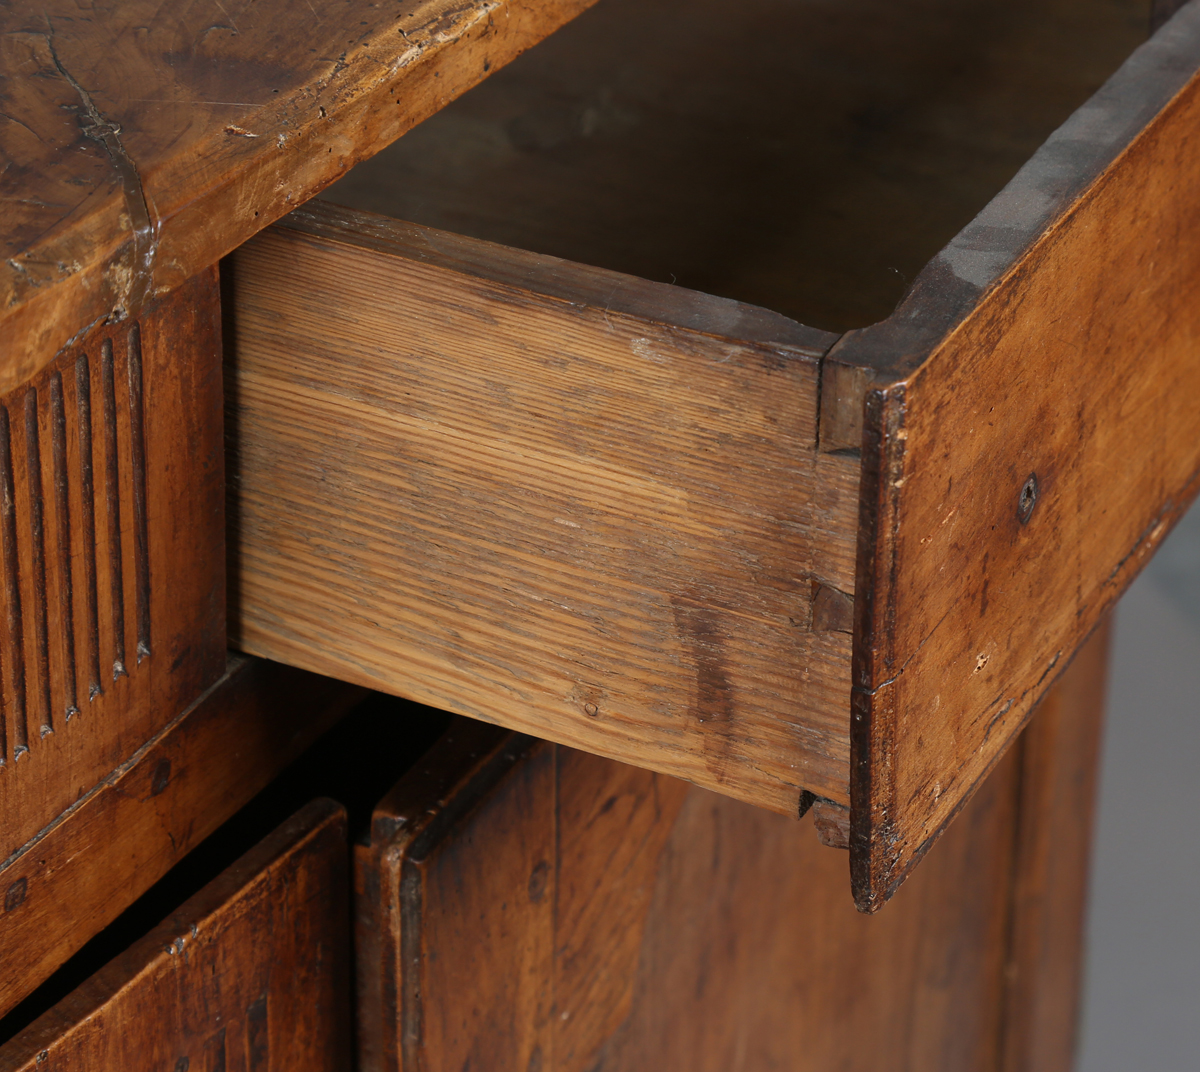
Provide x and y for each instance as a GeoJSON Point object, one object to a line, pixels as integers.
{"type": "Point", "coordinates": [1142, 991]}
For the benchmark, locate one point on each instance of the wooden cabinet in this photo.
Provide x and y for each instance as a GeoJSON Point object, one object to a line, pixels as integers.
{"type": "Point", "coordinates": [690, 534]}
{"type": "Point", "coordinates": [561, 455]}
{"type": "Point", "coordinates": [519, 904]}
{"type": "Point", "coordinates": [524, 905]}
{"type": "Point", "coordinates": [250, 974]}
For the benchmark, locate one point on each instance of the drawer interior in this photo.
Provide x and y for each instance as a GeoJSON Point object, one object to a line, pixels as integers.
{"type": "Point", "coordinates": [807, 156]}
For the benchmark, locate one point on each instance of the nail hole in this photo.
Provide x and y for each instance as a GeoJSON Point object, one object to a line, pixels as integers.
{"type": "Point", "coordinates": [1027, 499]}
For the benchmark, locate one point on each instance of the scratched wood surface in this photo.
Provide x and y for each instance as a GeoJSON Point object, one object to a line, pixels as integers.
{"type": "Point", "coordinates": [140, 143]}
{"type": "Point", "coordinates": [523, 905]}
{"type": "Point", "coordinates": [1033, 437]}
{"type": "Point", "coordinates": [251, 973]}
{"type": "Point", "coordinates": [144, 817]}
{"type": "Point", "coordinates": [557, 498]}
{"type": "Point", "coordinates": [112, 572]}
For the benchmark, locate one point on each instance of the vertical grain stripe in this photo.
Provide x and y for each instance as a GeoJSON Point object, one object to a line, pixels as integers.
{"type": "Point", "coordinates": [62, 527]}
{"type": "Point", "coordinates": [112, 489]}
{"type": "Point", "coordinates": [87, 521]}
{"type": "Point", "coordinates": [258, 1043]}
{"type": "Point", "coordinates": [12, 594]}
{"type": "Point", "coordinates": [214, 1052]}
{"type": "Point", "coordinates": [37, 537]}
{"type": "Point", "coordinates": [141, 528]}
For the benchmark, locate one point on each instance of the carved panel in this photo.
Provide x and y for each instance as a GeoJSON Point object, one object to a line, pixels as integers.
{"type": "Point", "coordinates": [111, 601]}
{"type": "Point", "coordinates": [73, 495]}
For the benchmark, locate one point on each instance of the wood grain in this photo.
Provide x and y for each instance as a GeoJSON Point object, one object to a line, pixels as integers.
{"type": "Point", "coordinates": [1062, 353]}
{"type": "Point", "coordinates": [1059, 757]}
{"type": "Point", "coordinates": [145, 816]}
{"type": "Point", "coordinates": [394, 880]}
{"type": "Point", "coordinates": [141, 144]}
{"type": "Point", "coordinates": [251, 973]}
{"type": "Point", "coordinates": [558, 498]}
{"type": "Point", "coordinates": [545, 908]}
{"type": "Point", "coordinates": [112, 608]}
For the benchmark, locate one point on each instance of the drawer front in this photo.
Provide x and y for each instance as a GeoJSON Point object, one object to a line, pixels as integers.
{"type": "Point", "coordinates": [561, 499]}
{"type": "Point", "coordinates": [250, 974]}
{"type": "Point", "coordinates": [1032, 434]}
{"type": "Point", "coordinates": [148, 815]}
{"type": "Point", "coordinates": [523, 905]}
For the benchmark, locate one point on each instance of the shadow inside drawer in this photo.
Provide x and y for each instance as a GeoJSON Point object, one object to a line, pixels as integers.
{"type": "Point", "coordinates": [809, 157]}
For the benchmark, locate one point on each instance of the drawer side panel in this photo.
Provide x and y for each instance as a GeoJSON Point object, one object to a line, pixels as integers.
{"type": "Point", "coordinates": [562, 516]}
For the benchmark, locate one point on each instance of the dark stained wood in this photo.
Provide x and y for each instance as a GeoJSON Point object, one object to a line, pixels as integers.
{"type": "Point", "coordinates": [112, 598]}
{"type": "Point", "coordinates": [1037, 437]}
{"type": "Point", "coordinates": [146, 815]}
{"type": "Point", "coordinates": [808, 157]}
{"type": "Point", "coordinates": [1059, 759]}
{"type": "Point", "coordinates": [251, 973]}
{"type": "Point", "coordinates": [501, 995]}
{"type": "Point", "coordinates": [558, 498]}
{"type": "Point", "coordinates": [539, 907]}
{"type": "Point", "coordinates": [140, 144]}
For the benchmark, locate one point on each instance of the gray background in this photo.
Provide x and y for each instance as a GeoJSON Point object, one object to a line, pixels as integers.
{"type": "Point", "coordinates": [1142, 990]}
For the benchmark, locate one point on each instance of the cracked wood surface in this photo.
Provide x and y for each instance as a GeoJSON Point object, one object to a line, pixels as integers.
{"type": "Point", "coordinates": [1037, 437]}
{"type": "Point", "coordinates": [142, 142]}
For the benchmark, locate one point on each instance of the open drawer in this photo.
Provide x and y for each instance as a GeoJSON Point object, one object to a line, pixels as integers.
{"type": "Point", "coordinates": [690, 534]}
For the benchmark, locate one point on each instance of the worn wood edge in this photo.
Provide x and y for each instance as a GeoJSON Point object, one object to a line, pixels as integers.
{"type": "Point", "coordinates": [423, 807]}
{"type": "Point", "coordinates": [44, 867]}
{"type": "Point", "coordinates": [1049, 188]}
{"type": "Point", "coordinates": [553, 277]}
{"type": "Point", "coordinates": [457, 759]}
{"type": "Point", "coordinates": [321, 818]}
{"type": "Point", "coordinates": [870, 727]}
{"type": "Point", "coordinates": [127, 262]}
{"type": "Point", "coordinates": [875, 881]}
{"type": "Point", "coordinates": [1142, 93]}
